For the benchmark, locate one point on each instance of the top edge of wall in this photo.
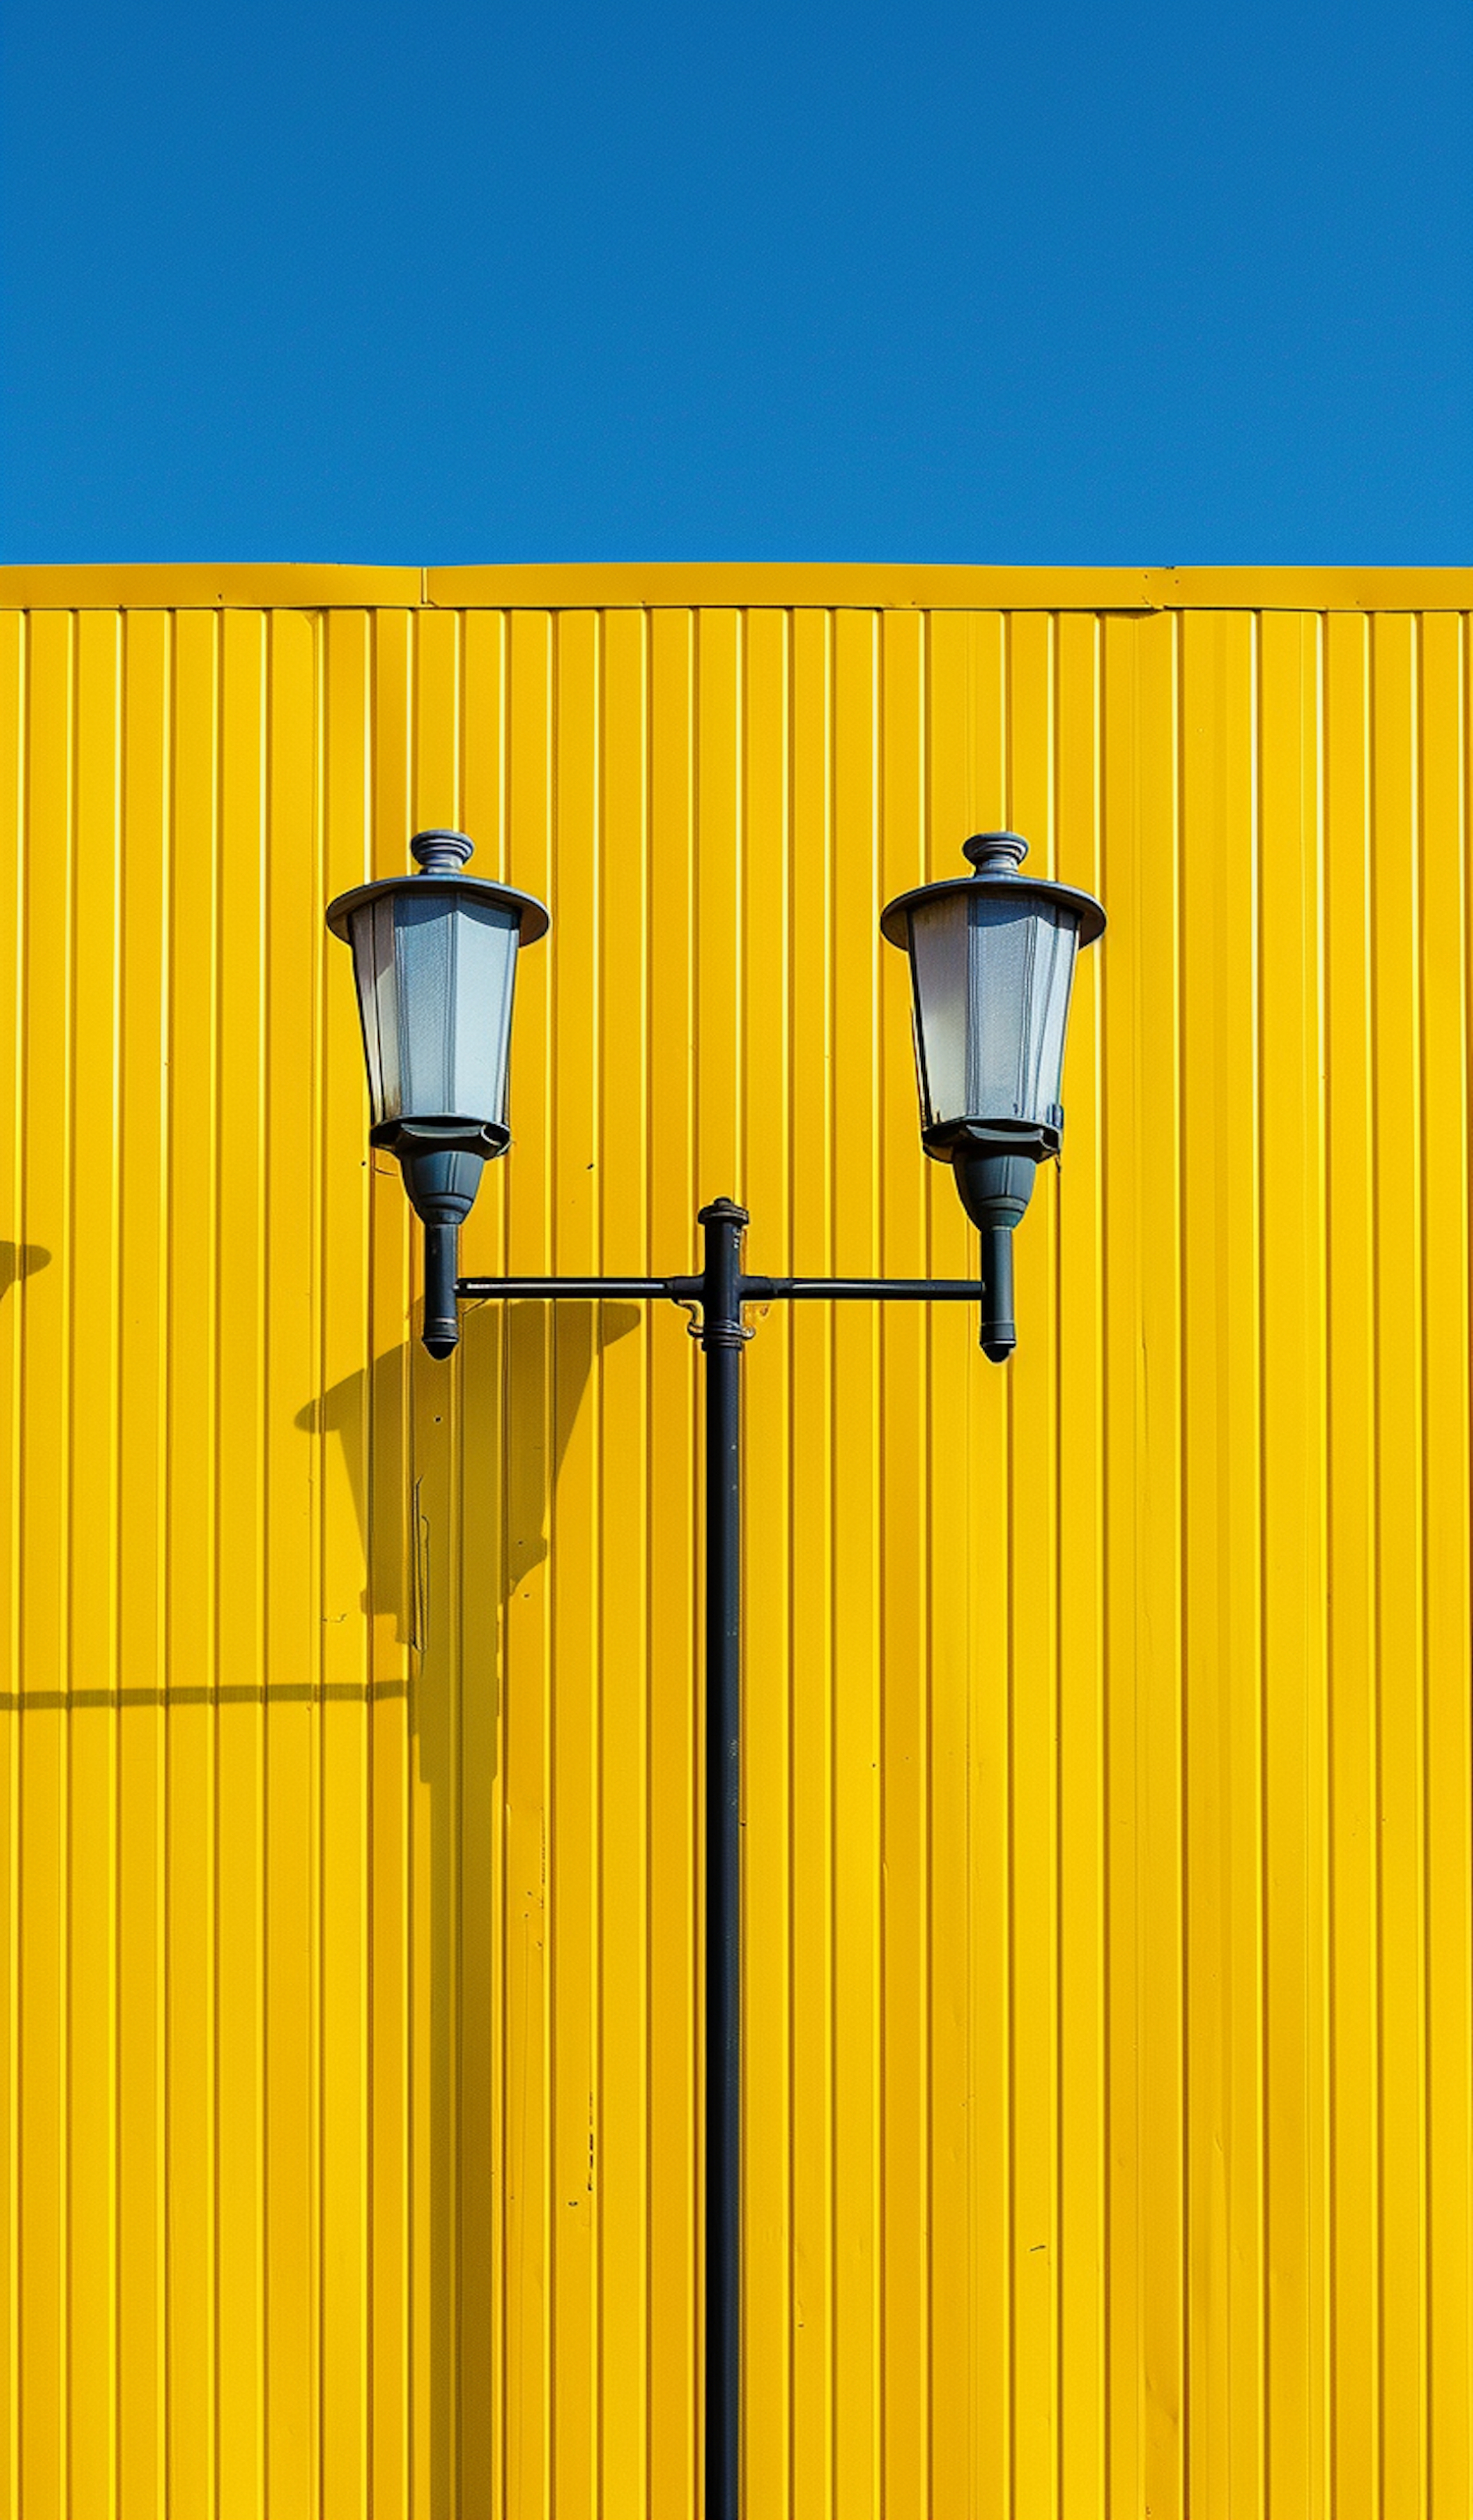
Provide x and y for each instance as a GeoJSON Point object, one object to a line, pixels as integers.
{"type": "Point", "coordinates": [308, 587]}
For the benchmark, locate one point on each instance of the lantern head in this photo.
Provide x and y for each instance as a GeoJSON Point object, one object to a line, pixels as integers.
{"type": "Point", "coordinates": [992, 963]}
{"type": "Point", "coordinates": [435, 957]}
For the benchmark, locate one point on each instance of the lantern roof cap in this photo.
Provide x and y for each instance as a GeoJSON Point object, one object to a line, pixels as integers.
{"type": "Point", "coordinates": [996, 852]}
{"type": "Point", "coordinates": [440, 856]}
{"type": "Point", "coordinates": [995, 857]}
{"type": "Point", "coordinates": [441, 852]}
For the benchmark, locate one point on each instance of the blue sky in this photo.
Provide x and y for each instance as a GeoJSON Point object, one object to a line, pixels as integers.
{"type": "Point", "coordinates": [1136, 283]}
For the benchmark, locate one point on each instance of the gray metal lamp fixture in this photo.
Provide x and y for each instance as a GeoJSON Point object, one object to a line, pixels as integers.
{"type": "Point", "coordinates": [992, 965]}
{"type": "Point", "coordinates": [992, 960]}
{"type": "Point", "coordinates": [434, 956]}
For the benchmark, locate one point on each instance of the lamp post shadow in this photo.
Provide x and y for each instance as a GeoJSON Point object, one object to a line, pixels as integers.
{"type": "Point", "coordinates": [452, 1475]}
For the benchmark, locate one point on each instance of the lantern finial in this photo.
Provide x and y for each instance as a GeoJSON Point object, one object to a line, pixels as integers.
{"type": "Point", "coordinates": [441, 852]}
{"type": "Point", "coordinates": [996, 852]}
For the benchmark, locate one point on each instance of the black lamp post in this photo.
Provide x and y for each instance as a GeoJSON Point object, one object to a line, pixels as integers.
{"type": "Point", "coordinates": [992, 960]}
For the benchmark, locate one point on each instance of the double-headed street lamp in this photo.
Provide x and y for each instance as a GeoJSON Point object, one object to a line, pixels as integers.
{"type": "Point", "coordinates": [992, 963]}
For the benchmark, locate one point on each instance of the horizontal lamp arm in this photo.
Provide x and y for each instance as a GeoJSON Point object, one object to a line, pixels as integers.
{"type": "Point", "coordinates": [858, 1290]}
{"type": "Point", "coordinates": [678, 1290]}
{"type": "Point", "coordinates": [750, 1290]}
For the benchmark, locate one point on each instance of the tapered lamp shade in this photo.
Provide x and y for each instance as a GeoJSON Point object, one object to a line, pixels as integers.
{"type": "Point", "coordinates": [992, 964]}
{"type": "Point", "coordinates": [435, 957]}
{"type": "Point", "coordinates": [435, 980]}
{"type": "Point", "coordinates": [992, 986]}
{"type": "Point", "coordinates": [435, 961]}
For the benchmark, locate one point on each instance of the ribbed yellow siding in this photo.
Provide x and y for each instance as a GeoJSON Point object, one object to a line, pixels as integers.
{"type": "Point", "coordinates": [1110, 1871]}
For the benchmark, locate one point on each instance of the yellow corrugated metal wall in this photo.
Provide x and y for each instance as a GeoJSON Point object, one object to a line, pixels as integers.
{"type": "Point", "coordinates": [1110, 2125]}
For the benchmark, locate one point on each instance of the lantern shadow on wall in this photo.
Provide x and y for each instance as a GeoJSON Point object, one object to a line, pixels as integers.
{"type": "Point", "coordinates": [436, 1585]}
{"type": "Point", "coordinates": [19, 1260]}
{"type": "Point", "coordinates": [377, 1413]}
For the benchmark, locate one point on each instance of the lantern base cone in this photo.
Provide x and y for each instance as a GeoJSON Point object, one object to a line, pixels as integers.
{"type": "Point", "coordinates": [994, 1189]}
{"type": "Point", "coordinates": [994, 1186]}
{"type": "Point", "coordinates": [442, 1183]}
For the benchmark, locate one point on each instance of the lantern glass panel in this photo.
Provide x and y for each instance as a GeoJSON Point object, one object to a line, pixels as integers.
{"type": "Point", "coordinates": [992, 980]}
{"type": "Point", "coordinates": [435, 972]}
